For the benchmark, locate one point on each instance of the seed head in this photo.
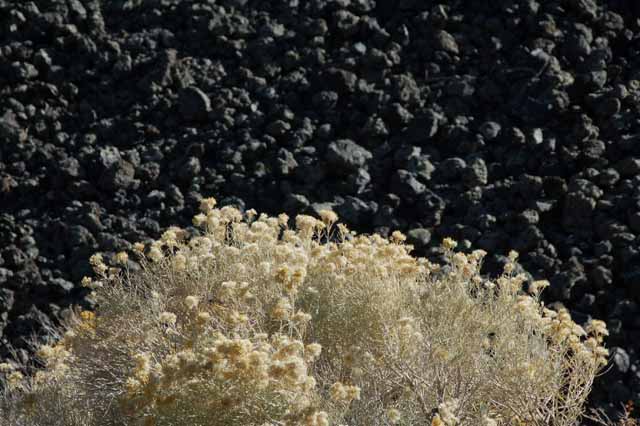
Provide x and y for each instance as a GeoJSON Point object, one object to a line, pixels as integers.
{"type": "Point", "coordinates": [449, 243]}
{"type": "Point", "coordinates": [207, 204]}
{"type": "Point", "coordinates": [122, 258]}
{"type": "Point", "coordinates": [328, 217]}
{"type": "Point", "coordinates": [393, 415]}
{"type": "Point", "coordinates": [191, 302]}
{"type": "Point", "coordinates": [168, 318]}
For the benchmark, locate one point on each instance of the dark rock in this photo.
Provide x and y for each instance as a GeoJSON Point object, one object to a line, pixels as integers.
{"type": "Point", "coordinates": [119, 175]}
{"type": "Point", "coordinates": [5, 275]}
{"type": "Point", "coordinates": [406, 185]}
{"type": "Point", "coordinates": [446, 42]}
{"type": "Point", "coordinates": [345, 156]}
{"type": "Point", "coordinates": [108, 157]}
{"type": "Point", "coordinates": [431, 207]}
{"type": "Point", "coordinates": [194, 104]}
{"type": "Point", "coordinates": [587, 303]}
{"type": "Point", "coordinates": [622, 239]}
{"type": "Point", "coordinates": [13, 257]}
{"type": "Point", "coordinates": [6, 303]}
{"type": "Point", "coordinates": [154, 198]}
{"type": "Point", "coordinates": [22, 71]}
{"type": "Point", "coordinates": [342, 80]}
{"type": "Point", "coordinates": [529, 217]}
{"type": "Point", "coordinates": [607, 177]}
{"type": "Point", "coordinates": [514, 136]}
{"type": "Point", "coordinates": [110, 242]}
{"type": "Point", "coordinates": [406, 89]}
{"type": "Point", "coordinates": [174, 196]}
{"type": "Point", "coordinates": [352, 184]}
{"type": "Point", "coordinates": [421, 167]}
{"type": "Point", "coordinates": [346, 23]}
{"type": "Point", "coordinates": [476, 173]}
{"type": "Point", "coordinates": [59, 287]}
{"type": "Point", "coordinates": [528, 239]}
{"type": "Point", "coordinates": [285, 162]}
{"type": "Point", "coordinates": [149, 172]}
{"type": "Point", "coordinates": [629, 166]}
{"type": "Point", "coordinates": [578, 210]}
{"type": "Point", "coordinates": [620, 360]}
{"type": "Point", "coordinates": [562, 284]}
{"type": "Point", "coordinates": [325, 100]}
{"type": "Point", "coordinates": [431, 122]}
{"type": "Point", "coordinates": [375, 127]}
{"type": "Point", "coordinates": [452, 168]}
{"type": "Point", "coordinates": [278, 128]}
{"type": "Point", "coordinates": [625, 310]}
{"type": "Point", "coordinates": [295, 203]}
{"type": "Point", "coordinates": [31, 322]}
{"type": "Point", "coordinates": [631, 281]}
{"type": "Point", "coordinates": [355, 211]}
{"type": "Point", "coordinates": [70, 168]}
{"type": "Point", "coordinates": [419, 237]}
{"type": "Point", "coordinates": [77, 9]}
{"type": "Point", "coordinates": [398, 115]}
{"type": "Point", "coordinates": [189, 170]}
{"type": "Point", "coordinates": [593, 149]}
{"type": "Point", "coordinates": [602, 247]}
{"type": "Point", "coordinates": [461, 88]}
{"type": "Point", "coordinates": [42, 60]}
{"type": "Point", "coordinates": [619, 392]}
{"type": "Point", "coordinates": [535, 137]}
{"type": "Point", "coordinates": [80, 237]}
{"type": "Point", "coordinates": [490, 130]}
{"type": "Point", "coordinates": [10, 130]}
{"type": "Point", "coordinates": [608, 107]}
{"type": "Point", "coordinates": [634, 221]}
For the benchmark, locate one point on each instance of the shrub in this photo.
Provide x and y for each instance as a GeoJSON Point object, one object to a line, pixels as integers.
{"type": "Point", "coordinates": [253, 323]}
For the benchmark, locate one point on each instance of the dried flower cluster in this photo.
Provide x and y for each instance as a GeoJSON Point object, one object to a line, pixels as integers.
{"type": "Point", "coordinates": [251, 322]}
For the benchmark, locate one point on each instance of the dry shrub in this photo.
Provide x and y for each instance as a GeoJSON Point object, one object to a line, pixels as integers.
{"type": "Point", "coordinates": [253, 323]}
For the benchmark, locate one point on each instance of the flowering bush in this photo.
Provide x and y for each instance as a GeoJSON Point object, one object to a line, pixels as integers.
{"type": "Point", "coordinates": [253, 323]}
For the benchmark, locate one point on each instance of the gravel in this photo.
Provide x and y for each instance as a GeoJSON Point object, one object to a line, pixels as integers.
{"type": "Point", "coordinates": [501, 124]}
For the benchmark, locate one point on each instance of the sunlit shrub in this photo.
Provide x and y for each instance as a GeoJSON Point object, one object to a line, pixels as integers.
{"type": "Point", "coordinates": [254, 323]}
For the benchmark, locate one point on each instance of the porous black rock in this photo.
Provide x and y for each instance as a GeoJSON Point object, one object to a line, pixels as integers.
{"type": "Point", "coordinates": [119, 175]}
{"type": "Point", "coordinates": [406, 185]}
{"type": "Point", "coordinates": [194, 104]}
{"type": "Point", "coordinates": [419, 237]}
{"type": "Point", "coordinates": [345, 156]}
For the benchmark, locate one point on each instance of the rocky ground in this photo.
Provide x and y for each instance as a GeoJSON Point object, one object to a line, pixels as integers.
{"type": "Point", "coordinates": [506, 124]}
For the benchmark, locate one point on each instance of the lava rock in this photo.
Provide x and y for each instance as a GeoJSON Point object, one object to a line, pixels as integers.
{"type": "Point", "coordinates": [629, 167]}
{"type": "Point", "coordinates": [602, 277]}
{"type": "Point", "coordinates": [355, 211]}
{"type": "Point", "coordinates": [446, 42]}
{"type": "Point", "coordinates": [631, 281]}
{"type": "Point", "coordinates": [119, 175]}
{"type": "Point", "coordinates": [345, 156]}
{"type": "Point", "coordinates": [490, 130]}
{"type": "Point", "coordinates": [295, 203]}
{"type": "Point", "coordinates": [419, 237]}
{"type": "Point", "coordinates": [476, 173]}
{"type": "Point", "coordinates": [406, 185]}
{"type": "Point", "coordinates": [194, 104]}
{"type": "Point", "coordinates": [452, 168]}
{"type": "Point", "coordinates": [6, 303]}
{"type": "Point", "coordinates": [10, 130]}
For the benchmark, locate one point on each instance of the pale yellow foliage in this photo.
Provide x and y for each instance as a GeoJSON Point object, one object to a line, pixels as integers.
{"type": "Point", "coordinates": [253, 323]}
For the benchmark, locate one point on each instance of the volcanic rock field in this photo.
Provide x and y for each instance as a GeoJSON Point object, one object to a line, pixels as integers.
{"type": "Point", "coordinates": [504, 124]}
